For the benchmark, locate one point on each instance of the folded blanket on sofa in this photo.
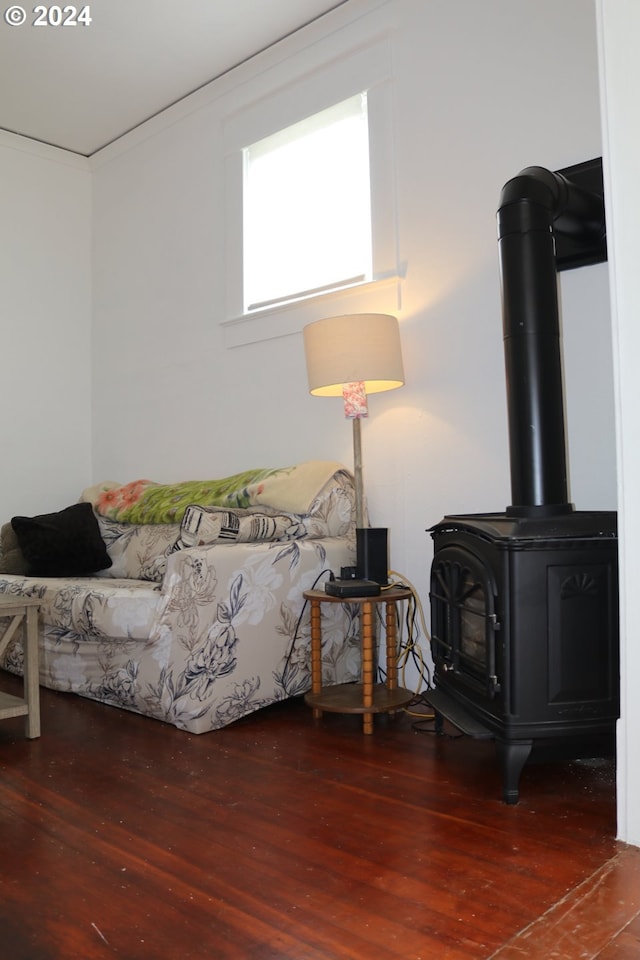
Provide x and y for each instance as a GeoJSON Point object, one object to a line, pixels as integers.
{"type": "Point", "coordinates": [291, 489]}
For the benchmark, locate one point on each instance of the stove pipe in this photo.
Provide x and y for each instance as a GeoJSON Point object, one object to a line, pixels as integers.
{"type": "Point", "coordinates": [535, 206]}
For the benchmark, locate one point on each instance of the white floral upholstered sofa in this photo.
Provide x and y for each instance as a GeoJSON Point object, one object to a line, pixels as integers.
{"type": "Point", "coordinates": [184, 602]}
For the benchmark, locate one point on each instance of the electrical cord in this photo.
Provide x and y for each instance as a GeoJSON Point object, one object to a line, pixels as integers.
{"type": "Point", "coordinates": [294, 637]}
{"type": "Point", "coordinates": [410, 650]}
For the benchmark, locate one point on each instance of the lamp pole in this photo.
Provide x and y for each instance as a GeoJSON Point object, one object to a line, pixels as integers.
{"type": "Point", "coordinates": [357, 472]}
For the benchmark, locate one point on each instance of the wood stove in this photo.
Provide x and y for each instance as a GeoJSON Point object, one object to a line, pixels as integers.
{"type": "Point", "coordinates": [524, 604]}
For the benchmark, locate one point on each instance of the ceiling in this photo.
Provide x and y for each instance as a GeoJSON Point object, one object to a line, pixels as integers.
{"type": "Point", "coordinates": [81, 87]}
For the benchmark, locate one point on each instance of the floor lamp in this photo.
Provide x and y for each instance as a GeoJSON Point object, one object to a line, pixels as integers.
{"type": "Point", "coordinates": [352, 356]}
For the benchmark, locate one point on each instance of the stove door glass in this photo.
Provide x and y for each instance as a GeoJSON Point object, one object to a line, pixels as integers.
{"type": "Point", "coordinates": [463, 619]}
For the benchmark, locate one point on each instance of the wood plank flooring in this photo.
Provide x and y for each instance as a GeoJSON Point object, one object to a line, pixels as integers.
{"type": "Point", "coordinates": [281, 838]}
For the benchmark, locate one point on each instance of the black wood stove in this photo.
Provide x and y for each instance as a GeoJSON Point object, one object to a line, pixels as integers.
{"type": "Point", "coordinates": [524, 604]}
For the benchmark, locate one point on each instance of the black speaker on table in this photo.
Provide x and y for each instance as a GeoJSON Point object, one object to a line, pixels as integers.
{"type": "Point", "coordinates": [372, 554]}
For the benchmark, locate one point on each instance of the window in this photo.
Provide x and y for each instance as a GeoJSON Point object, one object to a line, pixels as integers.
{"type": "Point", "coordinates": [307, 207]}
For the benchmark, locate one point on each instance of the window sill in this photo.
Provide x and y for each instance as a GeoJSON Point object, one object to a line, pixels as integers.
{"type": "Point", "coordinates": [375, 296]}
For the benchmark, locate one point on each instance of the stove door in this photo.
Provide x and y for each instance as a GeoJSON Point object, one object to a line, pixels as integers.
{"type": "Point", "coordinates": [464, 623]}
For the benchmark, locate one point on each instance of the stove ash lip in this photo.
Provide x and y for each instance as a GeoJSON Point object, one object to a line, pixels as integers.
{"type": "Point", "coordinates": [536, 205]}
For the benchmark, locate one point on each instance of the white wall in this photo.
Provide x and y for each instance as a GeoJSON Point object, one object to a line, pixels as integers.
{"type": "Point", "coordinates": [45, 327]}
{"type": "Point", "coordinates": [480, 91]}
{"type": "Point", "coordinates": [619, 35]}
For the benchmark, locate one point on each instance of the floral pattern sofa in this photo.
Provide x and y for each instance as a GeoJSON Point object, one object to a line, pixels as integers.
{"type": "Point", "coordinates": [200, 618]}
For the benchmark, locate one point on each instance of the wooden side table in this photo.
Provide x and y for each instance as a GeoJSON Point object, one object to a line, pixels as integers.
{"type": "Point", "coordinates": [366, 697]}
{"type": "Point", "coordinates": [23, 610]}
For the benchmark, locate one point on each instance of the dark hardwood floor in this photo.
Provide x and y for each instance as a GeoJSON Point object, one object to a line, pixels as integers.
{"type": "Point", "coordinates": [279, 837]}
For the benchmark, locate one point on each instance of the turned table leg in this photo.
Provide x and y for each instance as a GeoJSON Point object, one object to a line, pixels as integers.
{"type": "Point", "coordinates": [316, 653]}
{"type": "Point", "coordinates": [366, 628]}
{"type": "Point", "coordinates": [392, 647]}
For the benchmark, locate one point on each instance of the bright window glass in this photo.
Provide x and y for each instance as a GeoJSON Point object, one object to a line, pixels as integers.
{"type": "Point", "coordinates": [307, 207]}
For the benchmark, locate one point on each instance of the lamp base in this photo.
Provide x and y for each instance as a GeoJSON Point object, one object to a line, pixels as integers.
{"type": "Point", "coordinates": [372, 554]}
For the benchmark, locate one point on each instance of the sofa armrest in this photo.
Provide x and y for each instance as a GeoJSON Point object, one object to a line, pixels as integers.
{"type": "Point", "coordinates": [233, 628]}
{"type": "Point", "coordinates": [243, 582]}
{"type": "Point", "coordinates": [333, 512]}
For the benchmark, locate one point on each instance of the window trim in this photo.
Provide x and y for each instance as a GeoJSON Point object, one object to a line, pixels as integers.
{"type": "Point", "coordinates": [289, 318]}
{"type": "Point", "coordinates": [367, 68]}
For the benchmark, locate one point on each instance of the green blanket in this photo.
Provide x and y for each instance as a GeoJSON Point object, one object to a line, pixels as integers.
{"type": "Point", "coordinates": [291, 489]}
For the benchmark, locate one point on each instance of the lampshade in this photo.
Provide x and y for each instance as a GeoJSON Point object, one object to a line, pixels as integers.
{"type": "Point", "coordinates": [356, 347]}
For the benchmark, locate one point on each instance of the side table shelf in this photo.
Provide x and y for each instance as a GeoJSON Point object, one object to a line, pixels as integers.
{"type": "Point", "coordinates": [23, 610]}
{"type": "Point", "coordinates": [366, 697]}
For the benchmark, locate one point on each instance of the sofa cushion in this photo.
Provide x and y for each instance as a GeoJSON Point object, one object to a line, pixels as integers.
{"type": "Point", "coordinates": [138, 551]}
{"type": "Point", "coordinates": [90, 608]}
{"type": "Point", "coordinates": [11, 556]}
{"type": "Point", "coordinates": [63, 544]}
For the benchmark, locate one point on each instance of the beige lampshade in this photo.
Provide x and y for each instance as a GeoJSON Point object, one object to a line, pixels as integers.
{"type": "Point", "coordinates": [356, 347]}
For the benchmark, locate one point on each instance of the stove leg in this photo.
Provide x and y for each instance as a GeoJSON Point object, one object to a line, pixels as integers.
{"type": "Point", "coordinates": [513, 757]}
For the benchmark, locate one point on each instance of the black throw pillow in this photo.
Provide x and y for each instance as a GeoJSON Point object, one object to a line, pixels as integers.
{"type": "Point", "coordinates": [64, 544]}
